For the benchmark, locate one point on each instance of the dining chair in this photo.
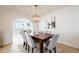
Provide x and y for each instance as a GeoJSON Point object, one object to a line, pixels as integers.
{"type": "Point", "coordinates": [31, 43]}
{"type": "Point", "coordinates": [25, 43]}
{"type": "Point", "coordinates": [52, 43]}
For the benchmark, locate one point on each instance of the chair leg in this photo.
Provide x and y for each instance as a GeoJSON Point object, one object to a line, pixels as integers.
{"type": "Point", "coordinates": [54, 49]}
{"type": "Point", "coordinates": [23, 44]}
{"type": "Point", "coordinates": [49, 51]}
{"type": "Point", "coordinates": [26, 47]}
{"type": "Point", "coordinates": [32, 50]}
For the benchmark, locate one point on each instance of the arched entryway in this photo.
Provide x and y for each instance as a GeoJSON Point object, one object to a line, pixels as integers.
{"type": "Point", "coordinates": [21, 24]}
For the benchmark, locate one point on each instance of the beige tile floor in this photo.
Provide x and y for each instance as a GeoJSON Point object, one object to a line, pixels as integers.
{"type": "Point", "coordinates": [15, 49]}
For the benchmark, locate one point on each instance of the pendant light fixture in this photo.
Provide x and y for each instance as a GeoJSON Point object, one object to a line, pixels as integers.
{"type": "Point", "coordinates": [36, 17]}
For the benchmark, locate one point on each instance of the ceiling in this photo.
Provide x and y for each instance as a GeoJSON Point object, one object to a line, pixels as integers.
{"type": "Point", "coordinates": [29, 9]}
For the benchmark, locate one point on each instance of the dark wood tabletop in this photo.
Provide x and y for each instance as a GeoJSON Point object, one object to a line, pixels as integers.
{"type": "Point", "coordinates": [41, 38]}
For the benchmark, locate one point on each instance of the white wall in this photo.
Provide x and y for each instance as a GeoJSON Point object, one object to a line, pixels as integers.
{"type": "Point", "coordinates": [67, 23]}
{"type": "Point", "coordinates": [8, 17]}
{"type": "Point", "coordinates": [1, 17]}
{"type": "Point", "coordinates": [0, 24]}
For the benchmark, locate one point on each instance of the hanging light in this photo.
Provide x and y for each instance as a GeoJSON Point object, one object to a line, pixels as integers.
{"type": "Point", "coordinates": [36, 17]}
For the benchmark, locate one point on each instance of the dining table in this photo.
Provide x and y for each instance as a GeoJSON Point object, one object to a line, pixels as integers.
{"type": "Point", "coordinates": [41, 38]}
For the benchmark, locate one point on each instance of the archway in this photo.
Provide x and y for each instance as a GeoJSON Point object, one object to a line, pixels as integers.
{"type": "Point", "coordinates": [21, 24]}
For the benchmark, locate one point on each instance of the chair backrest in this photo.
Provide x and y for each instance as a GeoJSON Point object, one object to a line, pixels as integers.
{"type": "Point", "coordinates": [53, 41]}
{"type": "Point", "coordinates": [23, 35]}
{"type": "Point", "coordinates": [30, 40]}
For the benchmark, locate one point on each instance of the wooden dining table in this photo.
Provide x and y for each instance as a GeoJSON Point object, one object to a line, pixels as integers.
{"type": "Point", "coordinates": [41, 38]}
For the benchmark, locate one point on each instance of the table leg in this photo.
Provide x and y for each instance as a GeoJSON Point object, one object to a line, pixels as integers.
{"type": "Point", "coordinates": [41, 46]}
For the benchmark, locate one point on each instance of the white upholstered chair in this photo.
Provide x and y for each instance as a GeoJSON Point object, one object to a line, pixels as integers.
{"type": "Point", "coordinates": [31, 43]}
{"type": "Point", "coordinates": [25, 43]}
{"type": "Point", "coordinates": [52, 43]}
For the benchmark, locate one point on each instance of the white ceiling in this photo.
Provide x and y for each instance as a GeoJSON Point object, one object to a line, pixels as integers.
{"type": "Point", "coordinates": [29, 9]}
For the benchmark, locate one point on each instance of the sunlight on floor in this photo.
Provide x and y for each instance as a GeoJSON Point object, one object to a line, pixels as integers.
{"type": "Point", "coordinates": [17, 39]}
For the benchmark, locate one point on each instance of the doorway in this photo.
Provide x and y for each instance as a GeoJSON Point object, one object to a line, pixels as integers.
{"type": "Point", "coordinates": [21, 24]}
